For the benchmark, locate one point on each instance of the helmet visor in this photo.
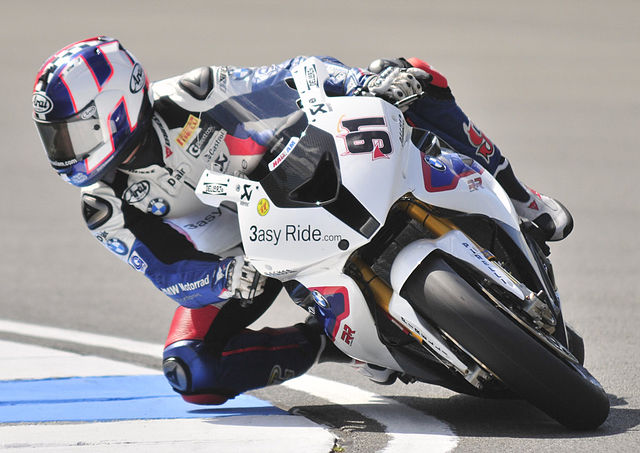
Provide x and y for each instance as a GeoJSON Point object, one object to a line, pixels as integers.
{"type": "Point", "coordinates": [69, 141]}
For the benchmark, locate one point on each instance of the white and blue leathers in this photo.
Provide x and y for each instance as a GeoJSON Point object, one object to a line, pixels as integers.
{"type": "Point", "coordinates": [213, 117]}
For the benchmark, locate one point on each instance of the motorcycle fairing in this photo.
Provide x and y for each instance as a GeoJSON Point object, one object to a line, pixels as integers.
{"type": "Point", "coordinates": [338, 310]}
{"type": "Point", "coordinates": [444, 172]}
{"type": "Point", "coordinates": [280, 241]}
{"type": "Point", "coordinates": [456, 244]}
{"type": "Point", "coordinates": [377, 180]}
{"type": "Point", "coordinates": [361, 340]}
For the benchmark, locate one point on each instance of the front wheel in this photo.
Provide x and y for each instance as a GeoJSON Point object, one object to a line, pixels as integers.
{"type": "Point", "coordinates": [564, 391]}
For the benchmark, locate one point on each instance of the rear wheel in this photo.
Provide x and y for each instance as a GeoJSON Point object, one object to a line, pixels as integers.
{"type": "Point", "coordinates": [566, 392]}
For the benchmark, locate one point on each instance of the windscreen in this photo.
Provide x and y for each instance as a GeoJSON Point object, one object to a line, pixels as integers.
{"type": "Point", "coordinates": [309, 175]}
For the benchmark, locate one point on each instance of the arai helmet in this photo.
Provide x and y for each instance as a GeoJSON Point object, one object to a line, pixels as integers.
{"type": "Point", "coordinates": [91, 108]}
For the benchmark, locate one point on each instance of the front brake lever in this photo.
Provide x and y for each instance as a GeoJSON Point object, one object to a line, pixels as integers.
{"type": "Point", "coordinates": [405, 102]}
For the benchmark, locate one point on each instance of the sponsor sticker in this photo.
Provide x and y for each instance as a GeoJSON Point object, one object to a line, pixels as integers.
{"type": "Point", "coordinates": [279, 273]}
{"type": "Point", "coordinates": [487, 264]}
{"type": "Point", "coordinates": [41, 103]}
{"type": "Point", "coordinates": [137, 81]}
{"type": "Point", "coordinates": [347, 335]}
{"type": "Point", "coordinates": [212, 151]}
{"type": "Point", "coordinates": [158, 206]}
{"type": "Point", "coordinates": [434, 163]}
{"type": "Point", "coordinates": [163, 130]}
{"type": "Point", "coordinates": [222, 79]}
{"type": "Point", "coordinates": [201, 141]}
{"type": "Point", "coordinates": [263, 207]}
{"type": "Point", "coordinates": [283, 154]}
{"type": "Point", "coordinates": [136, 192]}
{"type": "Point", "coordinates": [89, 112]}
{"type": "Point", "coordinates": [311, 74]}
{"type": "Point", "coordinates": [188, 130]}
{"type": "Point", "coordinates": [290, 234]}
{"type": "Point", "coordinates": [247, 191]}
{"type": "Point", "coordinates": [174, 290]}
{"type": "Point", "coordinates": [474, 184]}
{"type": "Point", "coordinates": [117, 246]}
{"type": "Point", "coordinates": [205, 221]}
{"type": "Point", "coordinates": [137, 262]}
{"type": "Point", "coordinates": [214, 188]}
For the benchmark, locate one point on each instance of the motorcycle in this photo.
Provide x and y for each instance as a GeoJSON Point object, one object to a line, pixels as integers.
{"type": "Point", "coordinates": [411, 254]}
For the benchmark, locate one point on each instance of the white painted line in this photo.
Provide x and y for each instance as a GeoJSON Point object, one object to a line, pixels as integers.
{"type": "Point", "coordinates": [246, 434]}
{"type": "Point", "coordinates": [85, 338]}
{"type": "Point", "coordinates": [207, 432]}
{"type": "Point", "coordinates": [409, 429]}
{"type": "Point", "coordinates": [406, 427]}
{"type": "Point", "coordinates": [21, 361]}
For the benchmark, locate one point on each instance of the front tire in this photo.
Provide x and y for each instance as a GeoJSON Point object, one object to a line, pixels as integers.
{"type": "Point", "coordinates": [565, 392]}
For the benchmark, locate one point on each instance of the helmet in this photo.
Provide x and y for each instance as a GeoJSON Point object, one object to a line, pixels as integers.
{"type": "Point", "coordinates": [91, 108]}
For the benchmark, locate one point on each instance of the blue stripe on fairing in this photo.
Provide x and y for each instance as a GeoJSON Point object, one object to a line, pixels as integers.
{"type": "Point", "coordinates": [109, 398]}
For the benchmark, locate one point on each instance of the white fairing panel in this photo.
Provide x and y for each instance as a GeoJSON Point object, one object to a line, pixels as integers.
{"type": "Point", "coordinates": [452, 182]}
{"type": "Point", "coordinates": [354, 331]}
{"type": "Point", "coordinates": [454, 243]}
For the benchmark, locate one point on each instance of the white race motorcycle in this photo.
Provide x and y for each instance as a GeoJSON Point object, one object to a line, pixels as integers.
{"type": "Point", "coordinates": [412, 253]}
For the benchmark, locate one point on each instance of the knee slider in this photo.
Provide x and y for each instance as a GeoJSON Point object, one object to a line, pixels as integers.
{"type": "Point", "coordinates": [188, 367]}
{"type": "Point", "coordinates": [192, 372]}
{"type": "Point", "coordinates": [177, 373]}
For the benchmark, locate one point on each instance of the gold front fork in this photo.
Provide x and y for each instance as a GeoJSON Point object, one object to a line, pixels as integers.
{"type": "Point", "coordinates": [418, 212]}
{"type": "Point", "coordinates": [370, 283]}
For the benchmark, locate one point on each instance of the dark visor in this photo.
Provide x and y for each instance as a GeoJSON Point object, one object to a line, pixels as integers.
{"type": "Point", "coordinates": [69, 141]}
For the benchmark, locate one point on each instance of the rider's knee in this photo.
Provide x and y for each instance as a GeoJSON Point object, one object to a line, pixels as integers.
{"type": "Point", "coordinates": [193, 373]}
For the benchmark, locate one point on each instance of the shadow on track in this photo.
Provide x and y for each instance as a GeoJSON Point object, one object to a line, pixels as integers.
{"type": "Point", "coordinates": [478, 417]}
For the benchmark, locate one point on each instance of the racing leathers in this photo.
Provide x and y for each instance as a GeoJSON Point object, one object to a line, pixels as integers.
{"type": "Point", "coordinates": [147, 214]}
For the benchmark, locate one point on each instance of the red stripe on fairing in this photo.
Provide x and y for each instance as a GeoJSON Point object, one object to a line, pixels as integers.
{"type": "Point", "coordinates": [73, 101]}
{"type": "Point", "coordinates": [259, 348]}
{"type": "Point", "coordinates": [426, 173]}
{"type": "Point", "coordinates": [243, 146]}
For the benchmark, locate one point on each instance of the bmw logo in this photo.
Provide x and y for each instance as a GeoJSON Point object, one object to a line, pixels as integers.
{"type": "Point", "coordinates": [117, 246]}
{"type": "Point", "coordinates": [435, 163]}
{"type": "Point", "coordinates": [158, 207]}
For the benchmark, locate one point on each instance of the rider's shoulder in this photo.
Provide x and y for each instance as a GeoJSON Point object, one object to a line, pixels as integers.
{"type": "Point", "coordinates": [198, 90]}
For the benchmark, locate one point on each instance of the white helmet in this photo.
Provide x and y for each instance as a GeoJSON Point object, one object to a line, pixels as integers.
{"type": "Point", "coordinates": [91, 108]}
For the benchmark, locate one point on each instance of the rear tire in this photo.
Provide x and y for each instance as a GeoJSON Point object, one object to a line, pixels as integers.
{"type": "Point", "coordinates": [565, 392]}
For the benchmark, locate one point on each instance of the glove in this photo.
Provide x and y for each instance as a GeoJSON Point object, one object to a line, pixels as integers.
{"type": "Point", "coordinates": [436, 87]}
{"type": "Point", "coordinates": [379, 65]}
{"type": "Point", "coordinates": [242, 280]}
{"type": "Point", "coordinates": [399, 86]}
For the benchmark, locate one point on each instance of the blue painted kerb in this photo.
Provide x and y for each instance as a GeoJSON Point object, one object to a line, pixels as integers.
{"type": "Point", "coordinates": [109, 398]}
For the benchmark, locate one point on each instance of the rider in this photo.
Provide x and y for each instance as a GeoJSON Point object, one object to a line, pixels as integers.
{"type": "Point", "coordinates": [137, 150]}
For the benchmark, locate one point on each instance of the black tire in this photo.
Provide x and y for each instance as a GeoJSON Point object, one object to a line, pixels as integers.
{"type": "Point", "coordinates": [523, 364]}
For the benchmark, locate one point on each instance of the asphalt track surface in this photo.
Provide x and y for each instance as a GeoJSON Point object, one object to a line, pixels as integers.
{"type": "Point", "coordinates": [554, 84]}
